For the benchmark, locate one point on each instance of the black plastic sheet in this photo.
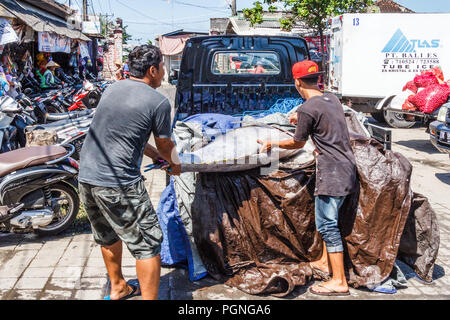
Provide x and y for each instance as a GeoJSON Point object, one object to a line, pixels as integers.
{"type": "Point", "coordinates": [257, 232]}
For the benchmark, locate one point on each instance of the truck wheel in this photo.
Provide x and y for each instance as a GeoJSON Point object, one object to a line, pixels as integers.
{"type": "Point", "coordinates": [379, 116]}
{"type": "Point", "coordinates": [397, 120]}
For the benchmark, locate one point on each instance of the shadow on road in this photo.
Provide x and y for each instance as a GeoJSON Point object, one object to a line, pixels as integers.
{"type": "Point", "coordinates": [419, 145]}
{"type": "Point", "coordinates": [444, 177]}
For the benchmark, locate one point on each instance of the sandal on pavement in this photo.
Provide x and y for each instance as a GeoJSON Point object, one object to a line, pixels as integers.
{"type": "Point", "coordinates": [331, 292]}
{"type": "Point", "coordinates": [135, 291]}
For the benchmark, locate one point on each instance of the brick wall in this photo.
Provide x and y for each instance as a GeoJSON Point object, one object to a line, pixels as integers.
{"type": "Point", "coordinates": [114, 53]}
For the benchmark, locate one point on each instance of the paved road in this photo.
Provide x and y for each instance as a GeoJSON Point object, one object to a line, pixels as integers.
{"type": "Point", "coordinates": [71, 267]}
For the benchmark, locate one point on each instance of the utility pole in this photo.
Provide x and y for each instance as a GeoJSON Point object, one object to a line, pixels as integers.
{"type": "Point", "coordinates": [233, 8]}
{"type": "Point", "coordinates": [85, 10]}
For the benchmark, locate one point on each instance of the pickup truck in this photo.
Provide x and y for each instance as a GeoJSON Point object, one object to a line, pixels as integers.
{"type": "Point", "coordinates": [234, 74]}
{"type": "Point", "coordinates": [440, 130]}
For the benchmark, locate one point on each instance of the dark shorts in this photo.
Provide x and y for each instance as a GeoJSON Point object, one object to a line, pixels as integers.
{"type": "Point", "coordinates": [123, 213]}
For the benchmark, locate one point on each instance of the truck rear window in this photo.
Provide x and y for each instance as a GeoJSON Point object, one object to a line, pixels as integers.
{"type": "Point", "coordinates": [245, 63]}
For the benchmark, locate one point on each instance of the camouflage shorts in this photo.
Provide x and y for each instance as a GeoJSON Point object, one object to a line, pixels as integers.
{"type": "Point", "coordinates": [123, 213]}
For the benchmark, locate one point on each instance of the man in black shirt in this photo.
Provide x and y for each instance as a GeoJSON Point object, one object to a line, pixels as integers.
{"type": "Point", "coordinates": [322, 117]}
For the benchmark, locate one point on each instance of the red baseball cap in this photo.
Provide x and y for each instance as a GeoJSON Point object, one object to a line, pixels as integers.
{"type": "Point", "coordinates": [305, 69]}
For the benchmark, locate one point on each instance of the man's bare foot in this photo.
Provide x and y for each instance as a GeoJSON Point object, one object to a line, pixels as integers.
{"type": "Point", "coordinates": [330, 287]}
{"type": "Point", "coordinates": [121, 292]}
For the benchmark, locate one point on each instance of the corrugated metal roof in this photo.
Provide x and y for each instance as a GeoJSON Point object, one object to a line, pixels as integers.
{"type": "Point", "coordinates": [41, 23]}
{"type": "Point", "coordinates": [51, 6]}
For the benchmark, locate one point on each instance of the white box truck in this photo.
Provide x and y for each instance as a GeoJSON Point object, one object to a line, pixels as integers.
{"type": "Point", "coordinates": [373, 55]}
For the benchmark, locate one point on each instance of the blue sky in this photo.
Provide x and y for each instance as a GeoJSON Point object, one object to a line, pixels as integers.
{"type": "Point", "coordinates": [148, 18]}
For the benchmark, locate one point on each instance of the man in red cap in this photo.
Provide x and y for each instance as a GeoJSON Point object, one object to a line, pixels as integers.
{"type": "Point", "coordinates": [322, 118]}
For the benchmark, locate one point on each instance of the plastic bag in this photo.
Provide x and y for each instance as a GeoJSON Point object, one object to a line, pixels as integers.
{"type": "Point", "coordinates": [410, 86]}
{"type": "Point", "coordinates": [425, 79]}
{"type": "Point", "coordinates": [431, 98]}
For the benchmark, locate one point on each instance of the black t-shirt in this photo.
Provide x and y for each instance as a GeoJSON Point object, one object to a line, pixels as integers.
{"type": "Point", "coordinates": [322, 118]}
{"type": "Point", "coordinates": [128, 112]}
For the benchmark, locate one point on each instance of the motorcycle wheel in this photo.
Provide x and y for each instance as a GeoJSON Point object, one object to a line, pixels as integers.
{"type": "Point", "coordinates": [69, 207]}
{"type": "Point", "coordinates": [94, 99]}
{"type": "Point", "coordinates": [54, 109]}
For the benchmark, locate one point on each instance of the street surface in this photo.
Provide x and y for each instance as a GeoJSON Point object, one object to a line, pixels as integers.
{"type": "Point", "coordinates": [70, 266]}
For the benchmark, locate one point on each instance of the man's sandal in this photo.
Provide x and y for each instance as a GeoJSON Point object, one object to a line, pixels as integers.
{"type": "Point", "coordinates": [331, 292]}
{"type": "Point", "coordinates": [135, 291]}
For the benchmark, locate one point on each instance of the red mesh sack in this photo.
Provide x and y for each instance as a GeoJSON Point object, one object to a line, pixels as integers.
{"type": "Point", "coordinates": [425, 79]}
{"type": "Point", "coordinates": [431, 98]}
{"type": "Point", "coordinates": [410, 86]}
{"type": "Point", "coordinates": [438, 73]}
{"type": "Point", "coordinates": [409, 106]}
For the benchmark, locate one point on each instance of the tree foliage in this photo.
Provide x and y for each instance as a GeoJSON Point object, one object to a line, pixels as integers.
{"type": "Point", "coordinates": [126, 36]}
{"type": "Point", "coordinates": [314, 13]}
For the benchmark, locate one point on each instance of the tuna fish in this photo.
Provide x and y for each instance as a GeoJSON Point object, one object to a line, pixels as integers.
{"type": "Point", "coordinates": [238, 150]}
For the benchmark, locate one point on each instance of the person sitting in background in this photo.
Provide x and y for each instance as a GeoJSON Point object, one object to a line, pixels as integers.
{"type": "Point", "coordinates": [119, 71]}
{"type": "Point", "coordinates": [45, 76]}
{"type": "Point", "coordinates": [49, 75]}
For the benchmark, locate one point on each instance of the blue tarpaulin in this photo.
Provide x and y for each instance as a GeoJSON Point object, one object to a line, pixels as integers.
{"type": "Point", "coordinates": [176, 248]}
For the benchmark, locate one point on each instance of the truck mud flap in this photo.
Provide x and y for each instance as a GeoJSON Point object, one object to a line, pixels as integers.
{"type": "Point", "coordinates": [380, 134]}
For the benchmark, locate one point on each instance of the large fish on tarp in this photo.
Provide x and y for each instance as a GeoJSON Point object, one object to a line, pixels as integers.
{"type": "Point", "coordinates": [238, 150]}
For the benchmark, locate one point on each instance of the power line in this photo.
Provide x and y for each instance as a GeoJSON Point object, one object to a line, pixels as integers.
{"type": "Point", "coordinates": [176, 20]}
{"type": "Point", "coordinates": [197, 6]}
{"type": "Point", "coordinates": [144, 15]}
{"type": "Point", "coordinates": [79, 6]}
{"type": "Point", "coordinates": [92, 6]}
{"type": "Point", "coordinates": [100, 5]}
{"type": "Point", "coordinates": [110, 10]}
{"type": "Point", "coordinates": [152, 23]}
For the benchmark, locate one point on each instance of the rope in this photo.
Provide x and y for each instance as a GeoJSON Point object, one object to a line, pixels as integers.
{"type": "Point", "coordinates": [280, 106]}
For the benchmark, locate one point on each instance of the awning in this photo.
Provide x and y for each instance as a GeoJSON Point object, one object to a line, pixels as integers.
{"type": "Point", "coordinates": [5, 13]}
{"type": "Point", "coordinates": [173, 45]}
{"type": "Point", "coordinates": [40, 23]}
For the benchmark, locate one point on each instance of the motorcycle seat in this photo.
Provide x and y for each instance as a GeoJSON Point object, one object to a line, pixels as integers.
{"type": "Point", "coordinates": [28, 157]}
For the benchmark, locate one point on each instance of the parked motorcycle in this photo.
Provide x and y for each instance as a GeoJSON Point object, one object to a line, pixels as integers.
{"type": "Point", "coordinates": [38, 190]}
{"type": "Point", "coordinates": [71, 128]}
{"type": "Point", "coordinates": [87, 98]}
{"type": "Point", "coordinates": [13, 121]}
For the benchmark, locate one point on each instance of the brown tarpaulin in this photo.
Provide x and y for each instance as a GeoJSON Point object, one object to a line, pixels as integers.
{"type": "Point", "coordinates": [256, 232]}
